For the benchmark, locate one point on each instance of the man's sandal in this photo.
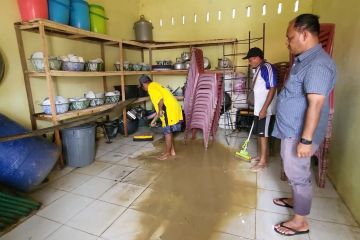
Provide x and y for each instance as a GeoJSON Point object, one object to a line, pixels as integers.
{"type": "Point", "coordinates": [294, 232]}
{"type": "Point", "coordinates": [282, 202]}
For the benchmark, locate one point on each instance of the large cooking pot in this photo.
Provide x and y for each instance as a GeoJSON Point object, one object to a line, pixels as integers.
{"type": "Point", "coordinates": [143, 30]}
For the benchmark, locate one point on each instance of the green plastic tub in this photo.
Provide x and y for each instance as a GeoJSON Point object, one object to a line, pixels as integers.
{"type": "Point", "coordinates": [97, 18]}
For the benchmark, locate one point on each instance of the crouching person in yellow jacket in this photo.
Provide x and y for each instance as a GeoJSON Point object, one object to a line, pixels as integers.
{"type": "Point", "coordinates": [167, 109]}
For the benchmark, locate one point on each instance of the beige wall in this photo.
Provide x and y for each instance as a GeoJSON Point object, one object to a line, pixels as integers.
{"type": "Point", "coordinates": [344, 166]}
{"type": "Point", "coordinates": [13, 103]}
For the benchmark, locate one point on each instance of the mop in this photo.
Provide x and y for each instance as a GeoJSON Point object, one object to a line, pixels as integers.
{"type": "Point", "coordinates": [243, 153]}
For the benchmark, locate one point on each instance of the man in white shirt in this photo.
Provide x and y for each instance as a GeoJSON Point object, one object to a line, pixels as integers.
{"type": "Point", "coordinates": [264, 85]}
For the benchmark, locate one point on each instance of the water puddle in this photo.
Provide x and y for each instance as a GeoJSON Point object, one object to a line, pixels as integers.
{"type": "Point", "coordinates": [197, 193]}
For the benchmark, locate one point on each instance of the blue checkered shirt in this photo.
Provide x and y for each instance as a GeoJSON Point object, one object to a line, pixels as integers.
{"type": "Point", "coordinates": [312, 72]}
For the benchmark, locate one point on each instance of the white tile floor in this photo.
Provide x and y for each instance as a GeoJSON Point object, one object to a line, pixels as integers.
{"type": "Point", "coordinates": [84, 203]}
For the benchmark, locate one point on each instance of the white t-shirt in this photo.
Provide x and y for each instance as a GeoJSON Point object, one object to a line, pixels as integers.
{"type": "Point", "coordinates": [266, 79]}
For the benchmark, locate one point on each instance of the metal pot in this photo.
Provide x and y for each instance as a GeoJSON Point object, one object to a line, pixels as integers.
{"type": "Point", "coordinates": [224, 63]}
{"type": "Point", "coordinates": [179, 66]}
{"type": "Point", "coordinates": [143, 30]}
{"type": "Point", "coordinates": [207, 64]}
{"type": "Point", "coordinates": [187, 64]}
{"type": "Point", "coordinates": [185, 56]}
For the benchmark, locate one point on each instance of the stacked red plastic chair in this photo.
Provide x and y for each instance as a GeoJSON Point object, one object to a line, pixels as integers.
{"type": "Point", "coordinates": [203, 99]}
{"type": "Point", "coordinates": [196, 67]}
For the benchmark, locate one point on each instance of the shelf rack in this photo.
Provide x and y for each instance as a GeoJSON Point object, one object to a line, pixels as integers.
{"type": "Point", "coordinates": [230, 127]}
{"type": "Point", "coordinates": [45, 28]}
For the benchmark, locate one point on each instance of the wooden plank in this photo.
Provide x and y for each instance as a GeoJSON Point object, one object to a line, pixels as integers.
{"type": "Point", "coordinates": [184, 44]}
{"type": "Point", "coordinates": [77, 113]}
{"type": "Point", "coordinates": [49, 83]}
{"type": "Point", "coordinates": [145, 99]}
{"type": "Point", "coordinates": [135, 43]}
{"type": "Point", "coordinates": [74, 74]}
{"type": "Point", "coordinates": [136, 72]}
{"type": "Point", "coordinates": [26, 77]}
{"type": "Point", "coordinates": [50, 87]}
{"type": "Point", "coordinates": [71, 32]}
{"type": "Point", "coordinates": [50, 25]}
{"type": "Point", "coordinates": [65, 30]}
{"type": "Point", "coordinates": [122, 84]}
{"type": "Point", "coordinates": [169, 72]}
{"type": "Point", "coordinates": [75, 37]}
{"type": "Point", "coordinates": [26, 25]}
{"type": "Point", "coordinates": [111, 43]}
{"type": "Point", "coordinates": [102, 49]}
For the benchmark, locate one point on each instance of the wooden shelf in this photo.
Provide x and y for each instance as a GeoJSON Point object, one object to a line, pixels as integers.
{"type": "Point", "coordinates": [169, 72]}
{"type": "Point", "coordinates": [184, 44]}
{"type": "Point", "coordinates": [157, 72]}
{"type": "Point", "coordinates": [76, 113]}
{"type": "Point", "coordinates": [74, 74]}
{"type": "Point", "coordinates": [65, 31]}
{"type": "Point", "coordinates": [89, 111]}
{"type": "Point", "coordinates": [112, 73]}
{"type": "Point", "coordinates": [145, 99]}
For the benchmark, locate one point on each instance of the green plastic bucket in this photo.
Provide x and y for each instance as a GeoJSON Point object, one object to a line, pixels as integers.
{"type": "Point", "coordinates": [97, 18]}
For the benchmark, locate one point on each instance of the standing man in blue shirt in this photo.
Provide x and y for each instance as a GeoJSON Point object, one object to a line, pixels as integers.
{"type": "Point", "coordinates": [302, 116]}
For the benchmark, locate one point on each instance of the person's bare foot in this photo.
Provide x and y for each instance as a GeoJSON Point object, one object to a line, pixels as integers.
{"type": "Point", "coordinates": [292, 227]}
{"type": "Point", "coordinates": [255, 159]}
{"type": "Point", "coordinates": [258, 167]}
{"type": "Point", "coordinates": [164, 156]}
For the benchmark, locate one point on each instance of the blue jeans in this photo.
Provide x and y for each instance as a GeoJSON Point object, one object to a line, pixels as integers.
{"type": "Point", "coordinates": [173, 128]}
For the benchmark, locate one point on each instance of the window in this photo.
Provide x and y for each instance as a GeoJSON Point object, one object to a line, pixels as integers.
{"type": "Point", "coordinates": [233, 15]}
{"type": "Point", "coordinates": [279, 8]}
{"type": "Point", "coordinates": [248, 11]}
{"type": "Point", "coordinates": [296, 7]}
{"type": "Point", "coordinates": [264, 10]}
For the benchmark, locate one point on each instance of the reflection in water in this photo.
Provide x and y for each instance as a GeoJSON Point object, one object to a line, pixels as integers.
{"type": "Point", "coordinates": [194, 194]}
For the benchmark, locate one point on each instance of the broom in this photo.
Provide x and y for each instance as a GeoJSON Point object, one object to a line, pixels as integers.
{"type": "Point", "coordinates": [243, 153]}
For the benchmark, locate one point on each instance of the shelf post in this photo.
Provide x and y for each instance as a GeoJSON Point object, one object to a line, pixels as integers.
{"type": "Point", "coordinates": [102, 47]}
{"type": "Point", "coordinates": [50, 86]}
{"type": "Point", "coordinates": [122, 83]}
{"type": "Point", "coordinates": [26, 77]}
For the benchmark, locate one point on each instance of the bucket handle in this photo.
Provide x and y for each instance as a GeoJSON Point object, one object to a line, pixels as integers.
{"type": "Point", "coordinates": [60, 3]}
{"type": "Point", "coordinates": [96, 14]}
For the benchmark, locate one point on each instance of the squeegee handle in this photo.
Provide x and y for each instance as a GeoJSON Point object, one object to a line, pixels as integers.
{"type": "Point", "coordinates": [252, 126]}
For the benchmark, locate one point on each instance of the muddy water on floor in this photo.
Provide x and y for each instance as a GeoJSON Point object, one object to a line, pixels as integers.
{"type": "Point", "coordinates": [195, 193]}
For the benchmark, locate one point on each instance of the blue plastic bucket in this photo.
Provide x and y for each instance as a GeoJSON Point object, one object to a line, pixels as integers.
{"type": "Point", "coordinates": [24, 163]}
{"type": "Point", "coordinates": [59, 11]}
{"type": "Point", "coordinates": [79, 14]}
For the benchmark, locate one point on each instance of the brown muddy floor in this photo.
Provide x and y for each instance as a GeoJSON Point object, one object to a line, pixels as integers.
{"type": "Point", "coordinates": [196, 193]}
